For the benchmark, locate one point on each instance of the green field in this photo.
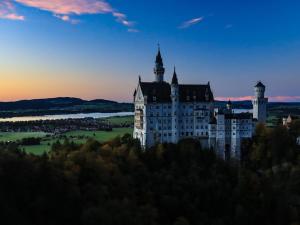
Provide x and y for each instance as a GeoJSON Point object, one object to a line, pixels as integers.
{"type": "Point", "coordinates": [75, 136]}
{"type": "Point", "coordinates": [14, 136]}
{"type": "Point", "coordinates": [120, 120]}
{"type": "Point", "coordinates": [98, 135]}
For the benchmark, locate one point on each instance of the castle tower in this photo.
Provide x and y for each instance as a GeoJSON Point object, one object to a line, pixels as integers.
{"type": "Point", "coordinates": [260, 103]}
{"type": "Point", "coordinates": [229, 106]}
{"type": "Point", "coordinates": [159, 69]}
{"type": "Point", "coordinates": [175, 107]}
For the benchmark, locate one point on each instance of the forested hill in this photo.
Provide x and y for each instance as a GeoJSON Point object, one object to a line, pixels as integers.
{"type": "Point", "coordinates": [61, 105]}
{"type": "Point", "coordinates": [67, 105]}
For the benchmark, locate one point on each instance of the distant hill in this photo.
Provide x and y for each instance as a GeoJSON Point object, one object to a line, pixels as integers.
{"type": "Point", "coordinates": [67, 105]}
{"type": "Point", "coordinates": [61, 105]}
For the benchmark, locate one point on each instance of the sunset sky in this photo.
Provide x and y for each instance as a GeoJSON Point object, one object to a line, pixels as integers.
{"type": "Point", "coordinates": [97, 48]}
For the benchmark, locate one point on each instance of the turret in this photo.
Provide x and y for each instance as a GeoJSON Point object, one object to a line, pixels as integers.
{"type": "Point", "coordinates": [259, 90]}
{"type": "Point", "coordinates": [159, 69]}
{"type": "Point", "coordinates": [174, 87]}
{"type": "Point", "coordinates": [229, 105]}
{"type": "Point", "coordinates": [260, 103]}
{"type": "Point", "coordinates": [175, 102]}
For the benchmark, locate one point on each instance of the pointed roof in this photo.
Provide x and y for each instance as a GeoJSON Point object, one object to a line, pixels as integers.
{"type": "Point", "coordinates": [229, 102]}
{"type": "Point", "coordinates": [260, 84]}
{"type": "Point", "coordinates": [174, 78]}
{"type": "Point", "coordinates": [158, 57]}
{"type": "Point", "coordinates": [187, 92]}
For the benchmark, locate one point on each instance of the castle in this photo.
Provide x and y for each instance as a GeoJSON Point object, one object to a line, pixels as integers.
{"type": "Point", "coordinates": [168, 112]}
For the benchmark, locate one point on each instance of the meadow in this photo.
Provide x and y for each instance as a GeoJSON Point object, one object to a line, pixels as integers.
{"type": "Point", "coordinates": [47, 140]}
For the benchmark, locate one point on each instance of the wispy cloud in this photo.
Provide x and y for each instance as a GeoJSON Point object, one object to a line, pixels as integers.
{"type": "Point", "coordinates": [191, 22]}
{"type": "Point", "coordinates": [228, 26]}
{"type": "Point", "coordinates": [67, 9]}
{"type": "Point", "coordinates": [8, 11]}
{"type": "Point", "coordinates": [67, 18]}
{"type": "Point", "coordinates": [132, 30]}
{"type": "Point", "coordinates": [271, 98]}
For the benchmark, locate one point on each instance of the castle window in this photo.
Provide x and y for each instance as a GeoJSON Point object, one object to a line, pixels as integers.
{"type": "Point", "coordinates": [154, 98]}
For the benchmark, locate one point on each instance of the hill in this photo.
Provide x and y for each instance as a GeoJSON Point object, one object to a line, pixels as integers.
{"type": "Point", "coordinates": [67, 105]}
{"type": "Point", "coordinates": [61, 105]}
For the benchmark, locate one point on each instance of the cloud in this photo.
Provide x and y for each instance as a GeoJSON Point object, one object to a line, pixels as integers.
{"type": "Point", "coordinates": [66, 9]}
{"type": "Point", "coordinates": [69, 7]}
{"type": "Point", "coordinates": [7, 11]}
{"type": "Point", "coordinates": [191, 22]}
{"type": "Point", "coordinates": [122, 18]}
{"type": "Point", "coordinates": [242, 98]}
{"type": "Point", "coordinates": [131, 30]}
{"type": "Point", "coordinates": [228, 26]}
{"type": "Point", "coordinates": [66, 18]}
{"type": "Point", "coordinates": [271, 98]}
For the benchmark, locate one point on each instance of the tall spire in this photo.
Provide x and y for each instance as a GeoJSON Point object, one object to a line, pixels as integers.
{"type": "Point", "coordinates": [174, 78]}
{"type": "Point", "coordinates": [159, 69]}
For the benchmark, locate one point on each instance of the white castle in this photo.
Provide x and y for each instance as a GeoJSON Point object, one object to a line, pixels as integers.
{"type": "Point", "coordinates": [169, 112]}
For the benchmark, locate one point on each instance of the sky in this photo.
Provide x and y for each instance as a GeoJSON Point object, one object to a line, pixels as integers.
{"type": "Point", "coordinates": [95, 49]}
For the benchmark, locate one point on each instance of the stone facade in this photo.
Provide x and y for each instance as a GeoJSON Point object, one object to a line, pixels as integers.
{"type": "Point", "coordinates": [227, 130]}
{"type": "Point", "coordinates": [169, 112]}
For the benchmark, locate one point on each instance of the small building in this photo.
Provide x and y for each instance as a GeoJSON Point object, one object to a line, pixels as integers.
{"type": "Point", "coordinates": [287, 121]}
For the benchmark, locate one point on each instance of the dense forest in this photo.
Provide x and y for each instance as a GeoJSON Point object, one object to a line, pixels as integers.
{"type": "Point", "coordinates": [118, 183]}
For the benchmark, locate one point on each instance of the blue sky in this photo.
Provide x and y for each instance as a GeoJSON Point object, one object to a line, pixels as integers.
{"type": "Point", "coordinates": [97, 49]}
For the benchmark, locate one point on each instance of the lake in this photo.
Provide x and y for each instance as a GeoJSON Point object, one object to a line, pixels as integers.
{"type": "Point", "coordinates": [65, 116]}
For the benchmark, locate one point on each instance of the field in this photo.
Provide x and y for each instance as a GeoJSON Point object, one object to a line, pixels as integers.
{"type": "Point", "coordinates": [14, 136]}
{"type": "Point", "coordinates": [120, 120]}
{"type": "Point", "coordinates": [76, 136]}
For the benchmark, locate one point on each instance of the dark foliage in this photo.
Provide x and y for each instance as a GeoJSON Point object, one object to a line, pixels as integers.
{"type": "Point", "coordinates": [30, 141]}
{"type": "Point", "coordinates": [117, 183]}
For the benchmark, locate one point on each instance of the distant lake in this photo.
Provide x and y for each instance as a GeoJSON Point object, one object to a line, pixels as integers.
{"type": "Point", "coordinates": [82, 115]}
{"type": "Point", "coordinates": [65, 116]}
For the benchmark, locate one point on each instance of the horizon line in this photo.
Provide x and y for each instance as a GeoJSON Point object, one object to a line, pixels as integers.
{"type": "Point", "coordinates": [284, 99]}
